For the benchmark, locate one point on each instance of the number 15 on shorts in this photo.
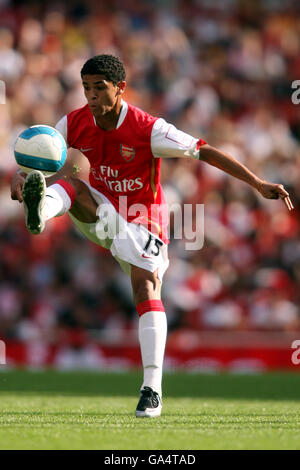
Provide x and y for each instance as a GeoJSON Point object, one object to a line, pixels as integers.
{"type": "Point", "coordinates": [153, 245]}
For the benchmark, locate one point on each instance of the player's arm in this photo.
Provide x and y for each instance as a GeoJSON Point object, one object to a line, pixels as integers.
{"type": "Point", "coordinates": [16, 185]}
{"type": "Point", "coordinates": [167, 141]}
{"type": "Point", "coordinates": [233, 167]}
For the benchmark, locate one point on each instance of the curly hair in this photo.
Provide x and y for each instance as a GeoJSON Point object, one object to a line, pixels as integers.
{"type": "Point", "coordinates": [108, 65]}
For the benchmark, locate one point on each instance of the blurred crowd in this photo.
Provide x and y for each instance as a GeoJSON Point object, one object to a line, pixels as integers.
{"type": "Point", "coordinates": [221, 71]}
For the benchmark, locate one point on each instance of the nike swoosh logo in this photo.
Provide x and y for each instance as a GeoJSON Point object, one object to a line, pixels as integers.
{"type": "Point", "coordinates": [85, 150]}
{"type": "Point", "coordinates": [146, 256]}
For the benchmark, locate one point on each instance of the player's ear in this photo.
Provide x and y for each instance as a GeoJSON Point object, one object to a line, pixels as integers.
{"type": "Point", "coordinates": [121, 87]}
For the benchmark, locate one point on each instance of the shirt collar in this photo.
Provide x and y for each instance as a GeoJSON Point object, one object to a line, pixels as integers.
{"type": "Point", "coordinates": [122, 114]}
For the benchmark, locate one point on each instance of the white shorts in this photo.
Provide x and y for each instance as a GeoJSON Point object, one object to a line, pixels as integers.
{"type": "Point", "coordinates": [129, 243]}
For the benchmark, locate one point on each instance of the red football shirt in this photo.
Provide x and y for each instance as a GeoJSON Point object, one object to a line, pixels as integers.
{"type": "Point", "coordinates": [125, 162]}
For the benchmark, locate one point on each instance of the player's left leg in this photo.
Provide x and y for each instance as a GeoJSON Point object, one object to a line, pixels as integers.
{"type": "Point", "coordinates": [42, 203]}
{"type": "Point", "coordinates": [152, 337]}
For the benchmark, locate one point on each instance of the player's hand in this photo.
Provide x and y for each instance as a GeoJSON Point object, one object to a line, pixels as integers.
{"type": "Point", "coordinates": [275, 191]}
{"type": "Point", "coordinates": [17, 183]}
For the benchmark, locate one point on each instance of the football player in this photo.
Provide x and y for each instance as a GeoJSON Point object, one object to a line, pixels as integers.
{"type": "Point", "coordinates": [122, 207]}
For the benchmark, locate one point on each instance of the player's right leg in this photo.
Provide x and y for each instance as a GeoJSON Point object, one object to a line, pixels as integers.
{"type": "Point", "coordinates": [152, 337]}
{"type": "Point", "coordinates": [42, 203]}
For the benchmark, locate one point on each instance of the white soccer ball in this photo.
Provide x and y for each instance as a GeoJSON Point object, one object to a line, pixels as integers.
{"type": "Point", "coordinates": [40, 148]}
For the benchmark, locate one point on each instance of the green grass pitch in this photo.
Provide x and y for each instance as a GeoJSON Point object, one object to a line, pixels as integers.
{"type": "Point", "coordinates": [82, 410]}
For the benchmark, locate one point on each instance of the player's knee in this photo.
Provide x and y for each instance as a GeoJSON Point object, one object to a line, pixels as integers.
{"type": "Point", "coordinates": [143, 290]}
{"type": "Point", "coordinates": [146, 289]}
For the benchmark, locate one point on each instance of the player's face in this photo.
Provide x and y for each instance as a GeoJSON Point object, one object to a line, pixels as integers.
{"type": "Point", "coordinates": [102, 96]}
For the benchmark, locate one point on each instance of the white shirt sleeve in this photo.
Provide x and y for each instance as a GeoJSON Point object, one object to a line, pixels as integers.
{"type": "Point", "coordinates": [62, 127]}
{"type": "Point", "coordinates": [167, 141]}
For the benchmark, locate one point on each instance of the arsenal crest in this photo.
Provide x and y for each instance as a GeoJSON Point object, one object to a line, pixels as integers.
{"type": "Point", "coordinates": [127, 153]}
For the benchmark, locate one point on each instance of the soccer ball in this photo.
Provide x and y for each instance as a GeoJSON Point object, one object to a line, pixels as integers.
{"type": "Point", "coordinates": [40, 148]}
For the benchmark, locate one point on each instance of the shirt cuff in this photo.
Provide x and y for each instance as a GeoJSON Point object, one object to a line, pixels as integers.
{"type": "Point", "coordinates": [194, 152]}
